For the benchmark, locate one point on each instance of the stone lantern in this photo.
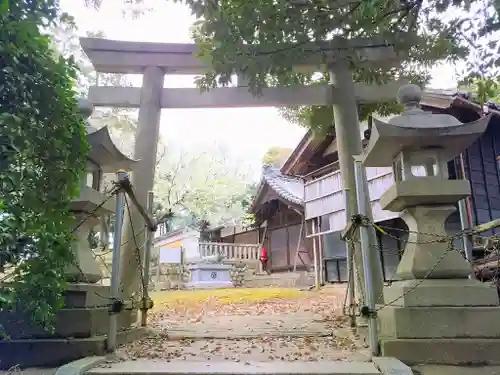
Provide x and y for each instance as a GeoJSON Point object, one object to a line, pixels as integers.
{"type": "Point", "coordinates": [104, 157]}
{"type": "Point", "coordinates": [433, 313]}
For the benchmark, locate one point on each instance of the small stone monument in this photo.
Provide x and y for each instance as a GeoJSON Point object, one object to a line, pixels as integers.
{"type": "Point", "coordinates": [210, 273]}
{"type": "Point", "coordinates": [434, 313]}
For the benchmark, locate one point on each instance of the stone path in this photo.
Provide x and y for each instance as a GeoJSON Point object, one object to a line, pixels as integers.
{"type": "Point", "coordinates": [307, 328]}
{"type": "Point", "coordinates": [237, 326]}
{"type": "Point", "coordinates": [264, 349]}
{"type": "Point", "coordinates": [230, 368]}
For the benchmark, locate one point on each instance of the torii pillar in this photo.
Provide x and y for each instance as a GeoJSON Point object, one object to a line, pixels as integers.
{"type": "Point", "coordinates": [347, 131]}
{"type": "Point", "coordinates": [153, 60]}
{"type": "Point", "coordinates": [142, 178]}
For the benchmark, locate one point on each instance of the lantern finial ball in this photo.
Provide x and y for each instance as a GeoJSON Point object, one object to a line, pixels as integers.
{"type": "Point", "coordinates": [86, 108]}
{"type": "Point", "coordinates": [409, 95]}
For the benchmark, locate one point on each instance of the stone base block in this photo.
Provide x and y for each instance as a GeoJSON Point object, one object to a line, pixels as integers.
{"type": "Point", "coordinates": [443, 351]}
{"type": "Point", "coordinates": [127, 318]}
{"type": "Point", "coordinates": [439, 322]}
{"type": "Point", "coordinates": [56, 352]}
{"type": "Point", "coordinates": [442, 292]}
{"type": "Point", "coordinates": [81, 295]}
{"type": "Point", "coordinates": [81, 322]}
{"type": "Point", "coordinates": [209, 285]}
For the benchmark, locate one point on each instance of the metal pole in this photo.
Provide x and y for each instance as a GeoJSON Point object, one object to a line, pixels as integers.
{"type": "Point", "coordinates": [464, 222]}
{"type": "Point", "coordinates": [367, 258]}
{"type": "Point", "coordinates": [147, 263]}
{"type": "Point", "coordinates": [351, 287]}
{"type": "Point", "coordinates": [321, 260]}
{"type": "Point", "coordinates": [299, 240]}
{"type": "Point", "coordinates": [115, 268]}
{"type": "Point", "coordinates": [317, 282]}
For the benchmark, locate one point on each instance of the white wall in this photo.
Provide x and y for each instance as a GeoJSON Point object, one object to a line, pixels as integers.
{"type": "Point", "coordinates": [191, 247]}
{"type": "Point", "coordinates": [190, 243]}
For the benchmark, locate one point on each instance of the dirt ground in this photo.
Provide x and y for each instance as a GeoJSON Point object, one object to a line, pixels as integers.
{"type": "Point", "coordinates": [249, 325]}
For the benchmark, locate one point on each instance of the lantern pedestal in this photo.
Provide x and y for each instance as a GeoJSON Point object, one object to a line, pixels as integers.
{"type": "Point", "coordinates": [434, 314]}
{"type": "Point", "coordinates": [87, 209]}
{"type": "Point", "coordinates": [426, 203]}
{"type": "Point", "coordinates": [85, 269]}
{"type": "Point", "coordinates": [434, 299]}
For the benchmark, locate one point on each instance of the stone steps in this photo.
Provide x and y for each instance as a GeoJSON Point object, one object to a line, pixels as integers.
{"type": "Point", "coordinates": [56, 352]}
{"type": "Point", "coordinates": [282, 279]}
{"type": "Point", "coordinates": [439, 322]}
{"type": "Point", "coordinates": [153, 367]}
{"type": "Point", "coordinates": [74, 322]}
{"type": "Point", "coordinates": [80, 330]}
{"type": "Point", "coordinates": [468, 351]}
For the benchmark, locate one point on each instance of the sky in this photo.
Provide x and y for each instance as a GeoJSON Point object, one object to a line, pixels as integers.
{"type": "Point", "coordinates": [247, 133]}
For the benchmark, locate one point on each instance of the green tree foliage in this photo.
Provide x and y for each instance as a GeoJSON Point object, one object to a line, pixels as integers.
{"type": "Point", "coordinates": [482, 89]}
{"type": "Point", "coordinates": [204, 186]}
{"type": "Point", "coordinates": [43, 146]}
{"type": "Point", "coordinates": [264, 40]}
{"type": "Point", "coordinates": [276, 156]}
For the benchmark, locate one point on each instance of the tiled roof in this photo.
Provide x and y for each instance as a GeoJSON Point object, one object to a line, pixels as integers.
{"type": "Point", "coordinates": [436, 98]}
{"type": "Point", "coordinates": [288, 188]}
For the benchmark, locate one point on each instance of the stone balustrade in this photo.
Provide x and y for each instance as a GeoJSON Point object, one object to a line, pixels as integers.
{"type": "Point", "coordinates": [231, 251]}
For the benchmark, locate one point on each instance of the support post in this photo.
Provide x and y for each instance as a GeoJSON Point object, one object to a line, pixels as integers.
{"type": "Point", "coordinates": [368, 259]}
{"type": "Point", "coordinates": [321, 261]}
{"type": "Point", "coordinates": [158, 272]}
{"type": "Point", "coordinates": [351, 286]}
{"type": "Point", "coordinates": [464, 220]}
{"type": "Point", "coordinates": [298, 243]}
{"type": "Point", "coordinates": [147, 263]}
{"type": "Point", "coordinates": [146, 139]}
{"type": "Point", "coordinates": [348, 137]}
{"type": "Point", "coordinates": [115, 267]}
{"type": "Point", "coordinates": [317, 281]}
{"type": "Point", "coordinates": [465, 225]}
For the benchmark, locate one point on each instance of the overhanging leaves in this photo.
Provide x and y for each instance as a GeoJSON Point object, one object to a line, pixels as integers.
{"type": "Point", "coordinates": [45, 140]}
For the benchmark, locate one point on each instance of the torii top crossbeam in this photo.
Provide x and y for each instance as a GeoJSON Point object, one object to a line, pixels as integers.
{"type": "Point", "coordinates": [112, 56]}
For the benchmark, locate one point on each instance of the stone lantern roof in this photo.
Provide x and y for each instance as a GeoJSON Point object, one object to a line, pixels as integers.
{"type": "Point", "coordinates": [416, 130]}
{"type": "Point", "coordinates": [103, 150]}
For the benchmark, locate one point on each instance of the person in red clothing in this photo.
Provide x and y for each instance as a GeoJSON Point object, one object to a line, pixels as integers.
{"type": "Point", "coordinates": [264, 259]}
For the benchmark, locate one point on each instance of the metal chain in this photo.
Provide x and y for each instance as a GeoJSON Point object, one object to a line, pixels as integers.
{"type": "Point", "coordinates": [352, 244]}
{"type": "Point", "coordinates": [420, 281]}
{"type": "Point", "coordinates": [137, 251]}
{"type": "Point", "coordinates": [352, 239]}
{"type": "Point", "coordinates": [113, 192]}
{"type": "Point", "coordinates": [353, 305]}
{"type": "Point", "coordinates": [460, 233]}
{"type": "Point", "coordinates": [99, 206]}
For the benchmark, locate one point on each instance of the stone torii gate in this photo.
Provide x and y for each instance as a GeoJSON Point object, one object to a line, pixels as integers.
{"type": "Point", "coordinates": [154, 60]}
